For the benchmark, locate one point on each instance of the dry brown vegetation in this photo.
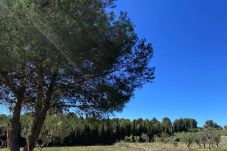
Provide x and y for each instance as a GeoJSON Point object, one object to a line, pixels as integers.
{"type": "Point", "coordinates": [139, 147]}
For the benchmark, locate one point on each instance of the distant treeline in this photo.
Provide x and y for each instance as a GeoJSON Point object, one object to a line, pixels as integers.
{"type": "Point", "coordinates": [69, 129]}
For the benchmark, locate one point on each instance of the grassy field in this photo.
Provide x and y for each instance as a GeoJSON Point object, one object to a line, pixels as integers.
{"type": "Point", "coordinates": [138, 147]}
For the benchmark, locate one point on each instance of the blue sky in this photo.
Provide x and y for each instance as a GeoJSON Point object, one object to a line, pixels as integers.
{"type": "Point", "coordinates": [190, 43]}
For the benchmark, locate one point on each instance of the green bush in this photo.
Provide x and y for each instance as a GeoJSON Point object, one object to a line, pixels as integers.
{"type": "Point", "coordinates": [132, 139]}
{"type": "Point", "coordinates": [186, 138]}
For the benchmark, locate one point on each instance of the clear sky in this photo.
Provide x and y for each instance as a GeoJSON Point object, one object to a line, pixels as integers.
{"type": "Point", "coordinates": [190, 43]}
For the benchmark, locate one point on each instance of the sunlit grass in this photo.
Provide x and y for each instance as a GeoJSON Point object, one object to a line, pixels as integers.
{"type": "Point", "coordinates": [139, 147]}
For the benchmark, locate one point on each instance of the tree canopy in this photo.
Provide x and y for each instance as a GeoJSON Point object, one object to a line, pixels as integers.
{"type": "Point", "coordinates": [68, 54]}
{"type": "Point", "coordinates": [67, 129]}
{"type": "Point", "coordinates": [90, 58]}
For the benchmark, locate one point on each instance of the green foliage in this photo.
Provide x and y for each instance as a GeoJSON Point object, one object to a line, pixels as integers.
{"type": "Point", "coordinates": [68, 54]}
{"type": "Point", "coordinates": [203, 138]}
{"type": "Point", "coordinates": [4, 120]}
{"type": "Point", "coordinates": [155, 127]}
{"type": "Point", "coordinates": [132, 139]}
{"type": "Point", "coordinates": [186, 138]}
{"type": "Point", "coordinates": [96, 58]}
{"type": "Point", "coordinates": [217, 138]}
{"type": "Point", "coordinates": [167, 125]}
{"type": "Point", "coordinates": [69, 129]}
{"type": "Point", "coordinates": [184, 125]}
{"type": "Point", "coordinates": [26, 124]}
{"type": "Point", "coordinates": [207, 136]}
{"type": "Point", "coordinates": [52, 131]}
{"type": "Point", "coordinates": [164, 137]}
{"type": "Point", "coordinates": [212, 135]}
{"type": "Point", "coordinates": [211, 124]}
{"type": "Point", "coordinates": [200, 138]}
{"type": "Point", "coordinates": [224, 131]}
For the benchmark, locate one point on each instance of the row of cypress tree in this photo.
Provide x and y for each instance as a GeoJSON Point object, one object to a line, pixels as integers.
{"type": "Point", "coordinates": [73, 130]}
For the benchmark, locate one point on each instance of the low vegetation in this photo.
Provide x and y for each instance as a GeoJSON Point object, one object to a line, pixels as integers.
{"type": "Point", "coordinates": [122, 134]}
{"type": "Point", "coordinates": [151, 146]}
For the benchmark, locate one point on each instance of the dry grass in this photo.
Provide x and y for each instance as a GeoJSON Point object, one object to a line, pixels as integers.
{"type": "Point", "coordinates": [139, 147]}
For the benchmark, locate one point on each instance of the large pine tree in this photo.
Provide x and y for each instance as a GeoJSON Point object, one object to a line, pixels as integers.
{"type": "Point", "coordinates": [67, 54]}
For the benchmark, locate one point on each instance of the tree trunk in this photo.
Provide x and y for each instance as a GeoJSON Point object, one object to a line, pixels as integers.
{"type": "Point", "coordinates": [14, 134]}
{"type": "Point", "coordinates": [210, 145]}
{"type": "Point", "coordinates": [41, 108]}
{"type": "Point", "coordinates": [35, 131]}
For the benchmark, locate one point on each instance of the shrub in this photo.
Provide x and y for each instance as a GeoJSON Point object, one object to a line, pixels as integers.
{"type": "Point", "coordinates": [132, 139]}
{"type": "Point", "coordinates": [198, 139]}
{"type": "Point", "coordinates": [186, 138]}
{"type": "Point", "coordinates": [212, 135]}
{"type": "Point", "coordinates": [164, 137]}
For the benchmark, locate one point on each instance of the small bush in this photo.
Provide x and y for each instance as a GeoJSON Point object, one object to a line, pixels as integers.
{"type": "Point", "coordinates": [132, 139]}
